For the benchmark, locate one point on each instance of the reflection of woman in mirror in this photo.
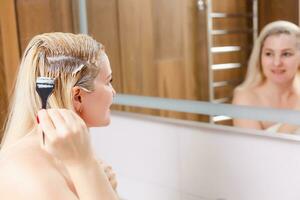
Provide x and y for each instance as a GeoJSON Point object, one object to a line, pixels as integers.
{"type": "Point", "coordinates": [64, 167]}
{"type": "Point", "coordinates": [272, 78]}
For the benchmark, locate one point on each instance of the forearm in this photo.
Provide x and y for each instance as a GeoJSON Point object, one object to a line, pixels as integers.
{"type": "Point", "coordinates": [91, 182]}
{"type": "Point", "coordinates": [288, 128]}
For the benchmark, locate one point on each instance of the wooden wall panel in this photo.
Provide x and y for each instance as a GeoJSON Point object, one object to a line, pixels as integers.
{"type": "Point", "coordinates": [10, 43]}
{"type": "Point", "coordinates": [151, 56]}
{"type": "Point", "coordinates": [195, 52]}
{"type": "Point", "coordinates": [277, 10]}
{"type": "Point", "coordinates": [3, 92]}
{"type": "Point", "coordinates": [103, 25]}
{"type": "Point", "coordinates": [42, 16]}
{"type": "Point", "coordinates": [236, 57]}
{"type": "Point", "coordinates": [230, 74]}
{"type": "Point", "coordinates": [137, 47]}
{"type": "Point", "coordinates": [231, 23]}
{"type": "Point", "coordinates": [243, 40]}
{"type": "Point", "coordinates": [233, 39]}
{"type": "Point", "coordinates": [169, 31]}
{"type": "Point", "coordinates": [223, 92]}
{"type": "Point", "coordinates": [231, 6]}
{"type": "Point", "coordinates": [169, 50]}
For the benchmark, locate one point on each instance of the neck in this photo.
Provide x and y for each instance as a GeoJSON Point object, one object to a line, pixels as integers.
{"type": "Point", "coordinates": [282, 91]}
{"type": "Point", "coordinates": [9, 142]}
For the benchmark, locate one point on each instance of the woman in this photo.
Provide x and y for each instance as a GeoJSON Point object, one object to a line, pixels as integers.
{"type": "Point", "coordinates": [272, 78]}
{"type": "Point", "coordinates": [64, 167]}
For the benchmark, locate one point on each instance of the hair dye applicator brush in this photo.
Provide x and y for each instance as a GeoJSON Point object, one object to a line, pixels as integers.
{"type": "Point", "coordinates": [44, 87]}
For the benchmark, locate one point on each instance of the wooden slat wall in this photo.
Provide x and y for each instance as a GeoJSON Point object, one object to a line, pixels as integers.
{"type": "Point", "coordinates": [271, 10]}
{"type": "Point", "coordinates": [244, 40]}
{"type": "Point", "coordinates": [10, 45]}
{"type": "Point", "coordinates": [153, 46]}
{"type": "Point", "coordinates": [9, 56]}
{"type": "Point", "coordinates": [3, 92]}
{"type": "Point", "coordinates": [169, 48]}
{"type": "Point", "coordinates": [42, 16]}
{"type": "Point", "coordinates": [108, 33]}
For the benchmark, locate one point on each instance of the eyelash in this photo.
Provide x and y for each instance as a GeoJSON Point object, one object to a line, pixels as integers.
{"type": "Point", "coordinates": [284, 54]}
{"type": "Point", "coordinates": [287, 54]}
{"type": "Point", "coordinates": [268, 54]}
{"type": "Point", "coordinates": [110, 81]}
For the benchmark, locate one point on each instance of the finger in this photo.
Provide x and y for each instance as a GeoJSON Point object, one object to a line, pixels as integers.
{"type": "Point", "coordinates": [77, 119]}
{"type": "Point", "coordinates": [112, 177]}
{"type": "Point", "coordinates": [46, 124]}
{"type": "Point", "coordinates": [57, 119]}
{"type": "Point", "coordinates": [63, 128]}
{"type": "Point", "coordinates": [107, 168]}
{"type": "Point", "coordinates": [100, 162]}
{"type": "Point", "coordinates": [68, 117]}
{"type": "Point", "coordinates": [114, 184]}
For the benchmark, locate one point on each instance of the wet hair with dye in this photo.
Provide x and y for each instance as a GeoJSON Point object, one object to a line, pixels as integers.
{"type": "Point", "coordinates": [72, 59]}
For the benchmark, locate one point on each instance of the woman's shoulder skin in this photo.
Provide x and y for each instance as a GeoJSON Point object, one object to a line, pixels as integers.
{"type": "Point", "coordinates": [246, 97]}
{"type": "Point", "coordinates": [27, 172]}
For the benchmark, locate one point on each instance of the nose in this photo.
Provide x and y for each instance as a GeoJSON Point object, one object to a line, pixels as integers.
{"type": "Point", "coordinates": [113, 92]}
{"type": "Point", "coordinates": [277, 61]}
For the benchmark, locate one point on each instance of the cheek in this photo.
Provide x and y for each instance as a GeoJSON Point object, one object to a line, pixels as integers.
{"type": "Point", "coordinates": [265, 61]}
{"type": "Point", "coordinates": [293, 64]}
{"type": "Point", "coordinates": [96, 108]}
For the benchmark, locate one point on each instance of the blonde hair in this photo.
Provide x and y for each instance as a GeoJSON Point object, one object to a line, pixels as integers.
{"type": "Point", "coordinates": [72, 59]}
{"type": "Point", "coordinates": [255, 75]}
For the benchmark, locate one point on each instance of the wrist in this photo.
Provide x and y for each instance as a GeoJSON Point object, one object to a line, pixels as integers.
{"type": "Point", "coordinates": [86, 164]}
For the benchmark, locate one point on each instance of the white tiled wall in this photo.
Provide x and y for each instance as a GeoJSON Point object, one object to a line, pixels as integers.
{"type": "Point", "coordinates": [157, 159]}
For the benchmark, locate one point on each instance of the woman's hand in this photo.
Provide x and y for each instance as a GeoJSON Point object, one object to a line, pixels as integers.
{"type": "Point", "coordinates": [110, 174]}
{"type": "Point", "coordinates": [67, 139]}
{"type": "Point", "coordinates": [67, 136]}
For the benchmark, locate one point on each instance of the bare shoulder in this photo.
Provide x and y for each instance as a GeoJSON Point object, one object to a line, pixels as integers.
{"type": "Point", "coordinates": [245, 97]}
{"type": "Point", "coordinates": [29, 174]}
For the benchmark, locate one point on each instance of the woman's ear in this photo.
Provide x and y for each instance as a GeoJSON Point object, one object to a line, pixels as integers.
{"type": "Point", "coordinates": [77, 98]}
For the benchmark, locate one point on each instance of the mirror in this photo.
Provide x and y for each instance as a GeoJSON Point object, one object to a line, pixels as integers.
{"type": "Point", "coordinates": [195, 50]}
{"type": "Point", "coordinates": [179, 49]}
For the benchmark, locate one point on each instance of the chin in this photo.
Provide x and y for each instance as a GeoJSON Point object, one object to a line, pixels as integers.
{"type": "Point", "coordinates": [104, 122]}
{"type": "Point", "coordinates": [281, 81]}
{"type": "Point", "coordinates": [100, 123]}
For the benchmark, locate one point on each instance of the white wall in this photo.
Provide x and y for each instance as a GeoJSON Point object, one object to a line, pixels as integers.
{"type": "Point", "coordinates": [159, 159]}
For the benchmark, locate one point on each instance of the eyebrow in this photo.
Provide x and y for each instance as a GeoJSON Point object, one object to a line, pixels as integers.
{"type": "Point", "coordinates": [287, 49]}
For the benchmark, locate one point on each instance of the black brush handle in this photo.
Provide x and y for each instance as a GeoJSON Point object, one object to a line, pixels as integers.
{"type": "Point", "coordinates": [44, 93]}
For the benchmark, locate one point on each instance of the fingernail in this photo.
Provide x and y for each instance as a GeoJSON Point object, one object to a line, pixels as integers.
{"type": "Point", "coordinates": [37, 119]}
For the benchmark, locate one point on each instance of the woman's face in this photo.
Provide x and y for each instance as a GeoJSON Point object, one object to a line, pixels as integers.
{"type": "Point", "coordinates": [96, 104]}
{"type": "Point", "coordinates": [280, 58]}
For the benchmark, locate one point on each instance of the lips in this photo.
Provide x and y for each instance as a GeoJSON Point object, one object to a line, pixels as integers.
{"type": "Point", "coordinates": [278, 71]}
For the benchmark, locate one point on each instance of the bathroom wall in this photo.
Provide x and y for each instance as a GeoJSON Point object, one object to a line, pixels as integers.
{"type": "Point", "coordinates": [159, 159]}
